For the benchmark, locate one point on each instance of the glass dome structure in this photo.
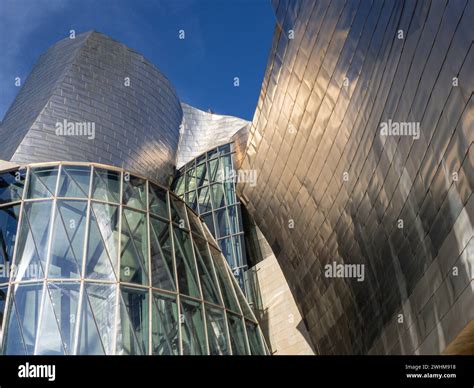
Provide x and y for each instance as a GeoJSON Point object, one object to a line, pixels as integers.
{"type": "Point", "coordinates": [96, 260]}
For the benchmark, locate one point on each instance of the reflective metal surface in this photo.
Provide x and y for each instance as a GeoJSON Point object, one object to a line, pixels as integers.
{"type": "Point", "coordinates": [333, 189]}
{"type": "Point", "coordinates": [95, 80]}
{"type": "Point", "coordinates": [202, 131]}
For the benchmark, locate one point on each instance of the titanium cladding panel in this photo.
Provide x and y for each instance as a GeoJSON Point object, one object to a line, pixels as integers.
{"type": "Point", "coordinates": [333, 188]}
{"type": "Point", "coordinates": [95, 82]}
{"type": "Point", "coordinates": [201, 131]}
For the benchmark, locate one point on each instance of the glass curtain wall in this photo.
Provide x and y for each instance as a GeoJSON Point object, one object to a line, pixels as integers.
{"type": "Point", "coordinates": [96, 260]}
{"type": "Point", "coordinates": [207, 185]}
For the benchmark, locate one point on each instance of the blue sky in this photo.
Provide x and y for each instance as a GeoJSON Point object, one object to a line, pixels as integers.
{"type": "Point", "coordinates": [224, 39]}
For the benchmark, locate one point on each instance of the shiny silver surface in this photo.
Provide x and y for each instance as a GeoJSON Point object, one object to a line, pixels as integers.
{"type": "Point", "coordinates": [84, 80]}
{"type": "Point", "coordinates": [324, 96]}
{"type": "Point", "coordinates": [201, 131]}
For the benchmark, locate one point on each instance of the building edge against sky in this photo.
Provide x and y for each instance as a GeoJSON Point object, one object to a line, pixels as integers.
{"type": "Point", "coordinates": [331, 188]}
{"type": "Point", "coordinates": [104, 273]}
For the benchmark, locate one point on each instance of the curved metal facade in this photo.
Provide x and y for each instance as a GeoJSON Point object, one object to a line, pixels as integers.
{"type": "Point", "coordinates": [202, 131]}
{"type": "Point", "coordinates": [93, 80]}
{"type": "Point", "coordinates": [333, 188]}
{"type": "Point", "coordinates": [100, 261]}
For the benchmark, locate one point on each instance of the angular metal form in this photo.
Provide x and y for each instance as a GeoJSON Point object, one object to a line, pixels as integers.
{"type": "Point", "coordinates": [362, 141]}
{"type": "Point", "coordinates": [93, 99]}
{"type": "Point", "coordinates": [202, 131]}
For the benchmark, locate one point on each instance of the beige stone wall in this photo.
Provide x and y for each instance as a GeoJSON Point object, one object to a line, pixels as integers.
{"type": "Point", "coordinates": [279, 317]}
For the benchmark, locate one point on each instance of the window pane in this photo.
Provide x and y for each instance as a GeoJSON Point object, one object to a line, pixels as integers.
{"type": "Point", "coordinates": [194, 340]}
{"type": "Point", "coordinates": [212, 153]}
{"type": "Point", "coordinates": [134, 255]}
{"type": "Point", "coordinates": [244, 306]}
{"type": "Point", "coordinates": [191, 199]}
{"type": "Point", "coordinates": [162, 269]}
{"type": "Point", "coordinates": [216, 332]}
{"type": "Point", "coordinates": [239, 250]}
{"type": "Point", "coordinates": [134, 321]}
{"type": "Point", "coordinates": [179, 185]}
{"type": "Point", "coordinates": [234, 216]}
{"type": "Point", "coordinates": [195, 222]}
{"type": "Point", "coordinates": [158, 201]}
{"type": "Point", "coordinates": [134, 191]}
{"type": "Point", "coordinates": [225, 281]}
{"type": "Point", "coordinates": [178, 212]}
{"type": "Point", "coordinates": [256, 346]}
{"type": "Point", "coordinates": [25, 319]}
{"type": "Point", "coordinates": [191, 179]}
{"type": "Point", "coordinates": [8, 228]}
{"type": "Point", "coordinates": [206, 272]}
{"type": "Point", "coordinates": [74, 181]}
{"type": "Point", "coordinates": [201, 175]}
{"type": "Point", "coordinates": [185, 265]}
{"type": "Point", "coordinates": [65, 301]}
{"type": "Point", "coordinates": [222, 223]}
{"type": "Point", "coordinates": [106, 185]}
{"type": "Point", "coordinates": [229, 189]}
{"type": "Point", "coordinates": [102, 253]}
{"type": "Point", "coordinates": [49, 340]}
{"type": "Point", "coordinates": [204, 199]}
{"type": "Point", "coordinates": [217, 195]}
{"type": "Point", "coordinates": [33, 240]}
{"type": "Point", "coordinates": [165, 327]}
{"type": "Point", "coordinates": [237, 334]}
{"type": "Point", "coordinates": [89, 341]}
{"type": "Point", "coordinates": [68, 239]}
{"type": "Point", "coordinates": [224, 149]}
{"type": "Point", "coordinates": [11, 185]}
{"type": "Point", "coordinates": [42, 182]}
{"type": "Point", "coordinates": [226, 248]}
{"type": "Point", "coordinates": [102, 299]}
{"type": "Point", "coordinates": [209, 220]}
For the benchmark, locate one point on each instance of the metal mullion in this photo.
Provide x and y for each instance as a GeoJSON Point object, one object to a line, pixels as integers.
{"type": "Point", "coordinates": [221, 296]}
{"type": "Point", "coordinates": [150, 293]}
{"type": "Point", "coordinates": [42, 199]}
{"type": "Point", "coordinates": [48, 259]}
{"type": "Point", "coordinates": [227, 330]}
{"type": "Point", "coordinates": [135, 285]}
{"type": "Point", "coordinates": [40, 315]}
{"type": "Point", "coordinates": [13, 263]}
{"type": "Point", "coordinates": [83, 266]}
{"type": "Point", "coordinates": [247, 342]}
{"type": "Point", "coordinates": [119, 250]}
{"type": "Point", "coordinates": [178, 296]}
{"type": "Point", "coordinates": [163, 291]}
{"type": "Point", "coordinates": [8, 204]}
{"type": "Point", "coordinates": [103, 202]}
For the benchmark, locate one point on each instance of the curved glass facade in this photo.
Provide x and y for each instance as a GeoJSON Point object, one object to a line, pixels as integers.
{"type": "Point", "coordinates": [207, 185]}
{"type": "Point", "coordinates": [96, 260]}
